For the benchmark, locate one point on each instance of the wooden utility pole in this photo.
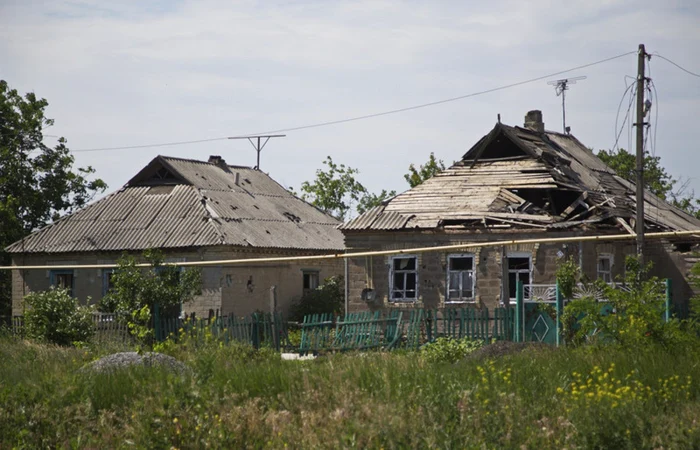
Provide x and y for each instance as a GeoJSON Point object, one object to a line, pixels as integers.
{"type": "Point", "coordinates": [640, 153]}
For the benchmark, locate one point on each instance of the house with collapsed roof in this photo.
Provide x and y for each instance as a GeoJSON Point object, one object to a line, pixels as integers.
{"type": "Point", "coordinates": [515, 183]}
{"type": "Point", "coordinates": [193, 211]}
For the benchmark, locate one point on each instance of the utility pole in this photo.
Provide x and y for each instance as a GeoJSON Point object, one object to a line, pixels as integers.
{"type": "Point", "coordinates": [256, 143]}
{"type": "Point", "coordinates": [640, 153]}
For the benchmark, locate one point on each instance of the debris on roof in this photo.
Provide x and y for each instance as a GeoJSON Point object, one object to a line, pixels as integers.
{"type": "Point", "coordinates": [520, 178]}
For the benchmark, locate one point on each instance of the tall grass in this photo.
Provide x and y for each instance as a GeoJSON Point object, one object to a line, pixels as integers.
{"type": "Point", "coordinates": [235, 397]}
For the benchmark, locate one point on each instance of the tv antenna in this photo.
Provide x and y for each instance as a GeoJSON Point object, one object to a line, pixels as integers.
{"type": "Point", "coordinates": [560, 87]}
{"type": "Point", "coordinates": [255, 142]}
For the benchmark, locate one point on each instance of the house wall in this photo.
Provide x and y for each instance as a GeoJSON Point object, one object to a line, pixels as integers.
{"type": "Point", "coordinates": [224, 288]}
{"type": "Point", "coordinates": [374, 272]}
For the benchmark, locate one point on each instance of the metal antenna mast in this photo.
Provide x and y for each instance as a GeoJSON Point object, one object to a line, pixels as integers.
{"type": "Point", "coordinates": [255, 142]}
{"type": "Point", "coordinates": [560, 87]}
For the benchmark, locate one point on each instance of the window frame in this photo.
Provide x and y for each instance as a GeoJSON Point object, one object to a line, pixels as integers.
{"type": "Point", "coordinates": [460, 299]}
{"type": "Point", "coordinates": [106, 275]}
{"type": "Point", "coordinates": [510, 255]}
{"type": "Point", "coordinates": [605, 256]}
{"type": "Point", "coordinates": [392, 272]}
{"type": "Point", "coordinates": [311, 272]}
{"type": "Point", "coordinates": [54, 273]}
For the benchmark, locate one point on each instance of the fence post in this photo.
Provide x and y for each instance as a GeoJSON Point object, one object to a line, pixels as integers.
{"type": "Point", "coordinates": [560, 310]}
{"type": "Point", "coordinates": [669, 298]}
{"type": "Point", "coordinates": [274, 329]}
{"type": "Point", "coordinates": [156, 321]}
{"type": "Point", "coordinates": [255, 334]}
{"type": "Point", "coordinates": [519, 319]}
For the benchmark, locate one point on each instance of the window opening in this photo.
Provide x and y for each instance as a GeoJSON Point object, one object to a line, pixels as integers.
{"type": "Point", "coordinates": [107, 282]}
{"type": "Point", "coordinates": [460, 278]}
{"type": "Point", "coordinates": [310, 280]}
{"type": "Point", "coordinates": [605, 263]}
{"type": "Point", "coordinates": [62, 279]}
{"type": "Point", "coordinates": [403, 284]}
{"type": "Point", "coordinates": [519, 269]}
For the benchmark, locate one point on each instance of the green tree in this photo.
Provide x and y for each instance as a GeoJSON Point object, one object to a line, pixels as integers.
{"type": "Point", "coordinates": [656, 179]}
{"type": "Point", "coordinates": [38, 183]}
{"type": "Point", "coordinates": [369, 200]}
{"type": "Point", "coordinates": [137, 291]}
{"type": "Point", "coordinates": [334, 189]}
{"type": "Point", "coordinates": [624, 164]}
{"type": "Point", "coordinates": [414, 177]}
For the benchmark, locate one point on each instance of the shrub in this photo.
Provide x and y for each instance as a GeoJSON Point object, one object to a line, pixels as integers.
{"type": "Point", "coordinates": [449, 350]}
{"type": "Point", "coordinates": [328, 298]}
{"type": "Point", "coordinates": [56, 317]}
{"type": "Point", "coordinates": [632, 317]}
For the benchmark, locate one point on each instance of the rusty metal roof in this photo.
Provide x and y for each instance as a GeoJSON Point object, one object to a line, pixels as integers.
{"type": "Point", "coordinates": [519, 178]}
{"type": "Point", "coordinates": [175, 203]}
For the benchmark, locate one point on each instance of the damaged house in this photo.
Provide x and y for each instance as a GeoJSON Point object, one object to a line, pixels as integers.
{"type": "Point", "coordinates": [192, 211]}
{"type": "Point", "coordinates": [515, 183]}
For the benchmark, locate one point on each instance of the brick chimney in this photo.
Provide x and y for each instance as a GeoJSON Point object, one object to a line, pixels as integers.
{"type": "Point", "coordinates": [218, 160]}
{"type": "Point", "coordinates": [533, 121]}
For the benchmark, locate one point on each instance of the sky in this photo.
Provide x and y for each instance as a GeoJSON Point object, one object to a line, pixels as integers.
{"type": "Point", "coordinates": [131, 73]}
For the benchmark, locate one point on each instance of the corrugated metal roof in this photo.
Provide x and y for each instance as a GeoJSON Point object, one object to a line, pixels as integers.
{"type": "Point", "coordinates": [513, 162]}
{"type": "Point", "coordinates": [201, 206]}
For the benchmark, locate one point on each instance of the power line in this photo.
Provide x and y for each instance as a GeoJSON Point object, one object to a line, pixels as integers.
{"type": "Point", "coordinates": [166, 144]}
{"type": "Point", "coordinates": [368, 116]}
{"type": "Point", "coordinates": [677, 65]}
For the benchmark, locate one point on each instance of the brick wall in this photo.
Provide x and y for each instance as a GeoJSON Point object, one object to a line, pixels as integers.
{"type": "Point", "coordinates": [230, 289]}
{"type": "Point", "coordinates": [432, 267]}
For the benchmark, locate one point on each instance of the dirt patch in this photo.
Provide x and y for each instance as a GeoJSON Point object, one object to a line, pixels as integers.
{"type": "Point", "coordinates": [504, 348]}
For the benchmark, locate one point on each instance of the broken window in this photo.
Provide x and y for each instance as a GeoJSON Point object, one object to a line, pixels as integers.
{"type": "Point", "coordinates": [604, 270]}
{"type": "Point", "coordinates": [519, 269]}
{"type": "Point", "coordinates": [62, 279]}
{"type": "Point", "coordinates": [460, 278]}
{"type": "Point", "coordinates": [403, 278]}
{"type": "Point", "coordinates": [310, 279]}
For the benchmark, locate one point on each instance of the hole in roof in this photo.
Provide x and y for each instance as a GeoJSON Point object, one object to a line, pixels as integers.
{"type": "Point", "coordinates": [247, 181]}
{"type": "Point", "coordinates": [233, 208]}
{"type": "Point", "coordinates": [267, 231]}
{"type": "Point", "coordinates": [255, 206]}
{"type": "Point", "coordinates": [292, 217]}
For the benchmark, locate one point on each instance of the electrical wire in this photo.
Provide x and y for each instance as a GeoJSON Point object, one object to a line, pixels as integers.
{"type": "Point", "coordinates": [632, 86]}
{"type": "Point", "coordinates": [165, 144]}
{"type": "Point", "coordinates": [367, 116]}
{"type": "Point", "coordinates": [677, 65]}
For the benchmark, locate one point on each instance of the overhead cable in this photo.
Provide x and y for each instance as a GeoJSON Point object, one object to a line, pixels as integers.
{"type": "Point", "coordinates": [367, 116]}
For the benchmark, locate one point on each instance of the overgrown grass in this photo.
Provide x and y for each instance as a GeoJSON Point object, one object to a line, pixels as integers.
{"type": "Point", "coordinates": [235, 397]}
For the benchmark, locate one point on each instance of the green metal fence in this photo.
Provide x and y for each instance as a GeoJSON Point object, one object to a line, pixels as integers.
{"type": "Point", "coordinates": [356, 331]}
{"type": "Point", "coordinates": [257, 329]}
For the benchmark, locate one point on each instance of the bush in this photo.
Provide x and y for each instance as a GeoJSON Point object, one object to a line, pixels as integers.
{"type": "Point", "coordinates": [449, 350]}
{"type": "Point", "coordinates": [631, 317]}
{"type": "Point", "coordinates": [56, 317]}
{"type": "Point", "coordinates": [329, 298]}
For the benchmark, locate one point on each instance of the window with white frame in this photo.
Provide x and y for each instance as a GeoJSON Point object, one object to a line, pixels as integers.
{"type": "Point", "coordinates": [403, 278]}
{"type": "Point", "coordinates": [519, 269]}
{"type": "Point", "coordinates": [605, 263]}
{"type": "Point", "coordinates": [460, 278]}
